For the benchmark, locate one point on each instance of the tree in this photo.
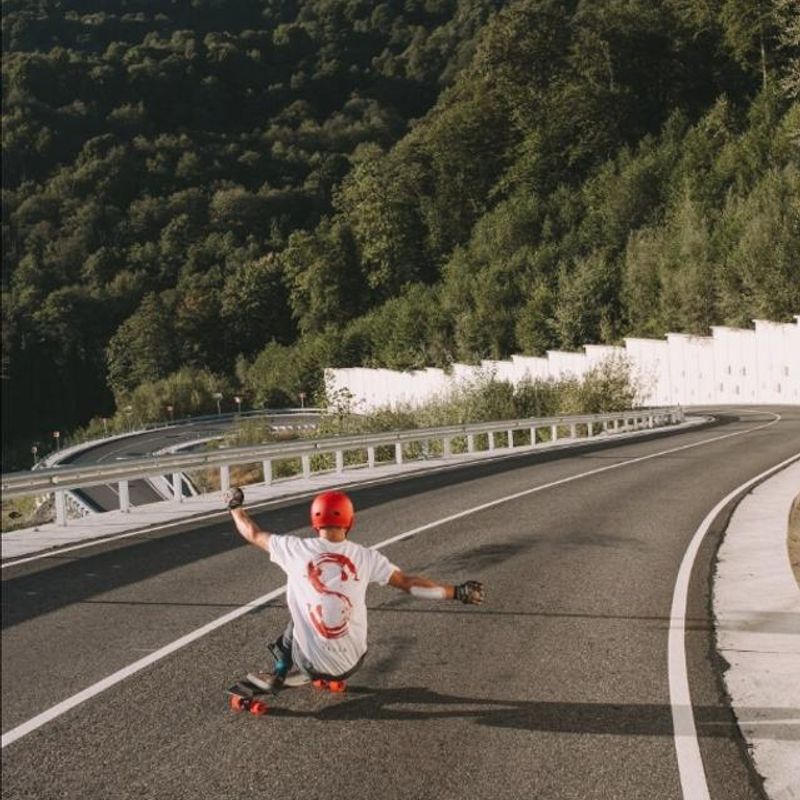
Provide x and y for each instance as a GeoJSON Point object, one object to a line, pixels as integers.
{"type": "Point", "coordinates": [587, 303]}
{"type": "Point", "coordinates": [760, 276]}
{"type": "Point", "coordinates": [323, 277]}
{"type": "Point", "coordinates": [379, 201]}
{"type": "Point", "coordinates": [752, 29]}
{"type": "Point", "coordinates": [534, 329]}
{"type": "Point", "coordinates": [142, 350]}
{"type": "Point", "coordinates": [253, 303]}
{"type": "Point", "coordinates": [641, 283]}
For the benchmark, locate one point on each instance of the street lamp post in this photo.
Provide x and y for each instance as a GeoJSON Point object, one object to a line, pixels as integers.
{"type": "Point", "coordinates": [302, 397]}
{"type": "Point", "coordinates": [170, 409]}
{"type": "Point", "coordinates": [34, 451]}
{"type": "Point", "coordinates": [57, 437]}
{"type": "Point", "coordinates": [238, 404]}
{"type": "Point", "coordinates": [218, 398]}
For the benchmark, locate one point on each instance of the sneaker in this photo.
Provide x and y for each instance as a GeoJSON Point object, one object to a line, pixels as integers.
{"type": "Point", "coordinates": [296, 678]}
{"type": "Point", "coordinates": [267, 681]}
{"type": "Point", "coordinates": [274, 682]}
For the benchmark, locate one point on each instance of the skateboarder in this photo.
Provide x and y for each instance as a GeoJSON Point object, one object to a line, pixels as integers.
{"type": "Point", "coordinates": [327, 578]}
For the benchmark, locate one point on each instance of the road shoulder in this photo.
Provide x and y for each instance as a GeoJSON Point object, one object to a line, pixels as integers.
{"type": "Point", "coordinates": [757, 620]}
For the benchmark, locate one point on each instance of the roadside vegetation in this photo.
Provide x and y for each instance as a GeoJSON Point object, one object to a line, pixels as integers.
{"type": "Point", "coordinates": [610, 386]}
{"type": "Point", "coordinates": [19, 512]}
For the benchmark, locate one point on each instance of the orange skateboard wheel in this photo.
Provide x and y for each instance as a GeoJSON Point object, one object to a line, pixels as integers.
{"type": "Point", "coordinates": [238, 703]}
{"type": "Point", "coordinates": [318, 683]}
{"type": "Point", "coordinates": [258, 708]}
{"type": "Point", "coordinates": [337, 686]}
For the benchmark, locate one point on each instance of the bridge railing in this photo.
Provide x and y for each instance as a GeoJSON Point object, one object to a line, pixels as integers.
{"type": "Point", "coordinates": [541, 432]}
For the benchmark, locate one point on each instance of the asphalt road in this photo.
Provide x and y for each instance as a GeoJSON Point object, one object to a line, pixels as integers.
{"type": "Point", "coordinates": [106, 498]}
{"type": "Point", "coordinates": [556, 688]}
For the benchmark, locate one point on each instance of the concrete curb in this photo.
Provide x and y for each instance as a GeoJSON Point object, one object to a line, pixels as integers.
{"type": "Point", "coordinates": [756, 604]}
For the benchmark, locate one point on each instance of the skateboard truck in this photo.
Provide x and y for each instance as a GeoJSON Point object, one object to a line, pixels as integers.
{"type": "Point", "coordinates": [257, 707]}
{"type": "Point", "coordinates": [331, 686]}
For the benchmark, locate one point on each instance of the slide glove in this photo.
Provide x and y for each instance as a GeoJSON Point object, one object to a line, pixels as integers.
{"type": "Point", "coordinates": [234, 498]}
{"type": "Point", "coordinates": [471, 592]}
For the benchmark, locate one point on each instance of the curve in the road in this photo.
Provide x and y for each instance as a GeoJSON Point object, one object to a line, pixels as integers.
{"type": "Point", "coordinates": [685, 735]}
{"type": "Point", "coordinates": [687, 748]}
{"type": "Point", "coordinates": [557, 688]}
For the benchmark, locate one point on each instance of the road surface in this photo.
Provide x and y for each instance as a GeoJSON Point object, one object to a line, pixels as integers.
{"type": "Point", "coordinates": [557, 687]}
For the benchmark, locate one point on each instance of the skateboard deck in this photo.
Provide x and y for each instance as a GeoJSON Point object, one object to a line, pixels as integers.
{"type": "Point", "coordinates": [244, 695]}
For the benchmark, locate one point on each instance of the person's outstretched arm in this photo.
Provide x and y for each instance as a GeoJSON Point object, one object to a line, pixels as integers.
{"type": "Point", "coordinates": [470, 592]}
{"type": "Point", "coordinates": [244, 522]}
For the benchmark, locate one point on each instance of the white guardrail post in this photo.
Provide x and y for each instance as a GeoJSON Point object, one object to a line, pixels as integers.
{"type": "Point", "coordinates": [124, 497]}
{"type": "Point", "coordinates": [61, 508]}
{"type": "Point", "coordinates": [177, 486]}
{"type": "Point", "coordinates": [62, 479]}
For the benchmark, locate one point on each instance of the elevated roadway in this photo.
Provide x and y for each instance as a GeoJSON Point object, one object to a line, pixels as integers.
{"type": "Point", "coordinates": [558, 687]}
{"type": "Point", "coordinates": [106, 498]}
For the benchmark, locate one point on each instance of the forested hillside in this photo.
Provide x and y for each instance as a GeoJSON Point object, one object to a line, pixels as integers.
{"type": "Point", "coordinates": [259, 189]}
{"type": "Point", "coordinates": [157, 156]}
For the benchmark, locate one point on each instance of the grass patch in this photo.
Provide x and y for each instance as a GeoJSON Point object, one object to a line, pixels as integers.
{"type": "Point", "coordinates": [606, 388]}
{"type": "Point", "coordinates": [19, 512]}
{"type": "Point", "coordinates": [794, 539]}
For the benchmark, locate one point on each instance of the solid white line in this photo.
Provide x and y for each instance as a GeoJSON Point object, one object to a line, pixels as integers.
{"type": "Point", "coordinates": [687, 748]}
{"type": "Point", "coordinates": [120, 675]}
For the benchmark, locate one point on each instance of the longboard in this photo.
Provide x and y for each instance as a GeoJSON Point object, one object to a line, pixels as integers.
{"type": "Point", "coordinates": [244, 695]}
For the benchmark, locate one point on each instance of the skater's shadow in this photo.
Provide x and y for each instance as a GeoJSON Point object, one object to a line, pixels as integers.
{"type": "Point", "coordinates": [412, 704]}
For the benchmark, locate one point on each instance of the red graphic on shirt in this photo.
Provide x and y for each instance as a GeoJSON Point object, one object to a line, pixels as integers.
{"type": "Point", "coordinates": [334, 607]}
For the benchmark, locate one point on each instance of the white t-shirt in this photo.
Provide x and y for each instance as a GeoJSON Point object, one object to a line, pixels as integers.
{"type": "Point", "coordinates": [326, 588]}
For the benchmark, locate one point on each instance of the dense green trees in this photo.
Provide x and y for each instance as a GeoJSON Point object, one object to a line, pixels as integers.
{"type": "Point", "coordinates": [256, 191]}
{"type": "Point", "coordinates": [163, 157]}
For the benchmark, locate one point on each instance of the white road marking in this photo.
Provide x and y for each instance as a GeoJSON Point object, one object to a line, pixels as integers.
{"type": "Point", "coordinates": [91, 691]}
{"type": "Point", "coordinates": [687, 748]}
{"type": "Point", "coordinates": [120, 675]}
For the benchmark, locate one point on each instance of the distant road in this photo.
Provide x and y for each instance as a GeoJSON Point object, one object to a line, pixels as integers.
{"type": "Point", "coordinates": [105, 498]}
{"type": "Point", "coordinates": [557, 688]}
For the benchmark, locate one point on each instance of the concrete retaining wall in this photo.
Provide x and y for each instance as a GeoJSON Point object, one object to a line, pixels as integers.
{"type": "Point", "coordinates": [733, 365]}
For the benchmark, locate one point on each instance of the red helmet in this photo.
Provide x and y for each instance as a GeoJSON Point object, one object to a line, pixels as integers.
{"type": "Point", "coordinates": [332, 509]}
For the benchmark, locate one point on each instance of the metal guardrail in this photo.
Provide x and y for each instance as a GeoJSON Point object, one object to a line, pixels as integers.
{"type": "Point", "coordinates": [59, 480]}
